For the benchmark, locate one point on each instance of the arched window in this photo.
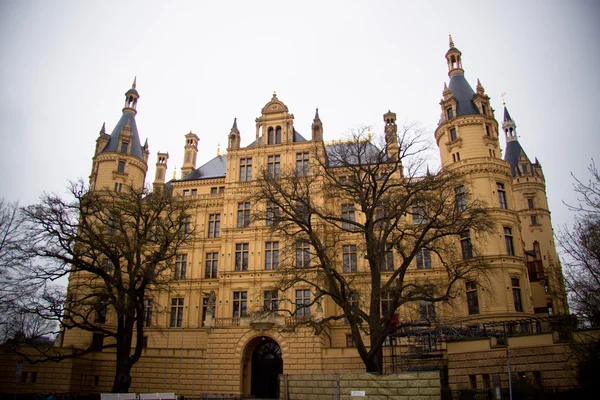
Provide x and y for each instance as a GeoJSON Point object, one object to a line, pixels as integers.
{"type": "Point", "coordinates": [278, 135]}
{"type": "Point", "coordinates": [270, 138]}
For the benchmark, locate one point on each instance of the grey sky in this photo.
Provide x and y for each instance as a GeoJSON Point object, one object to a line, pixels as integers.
{"type": "Point", "coordinates": [67, 64]}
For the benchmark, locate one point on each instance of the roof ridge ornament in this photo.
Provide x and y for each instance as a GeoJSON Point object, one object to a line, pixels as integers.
{"type": "Point", "coordinates": [450, 40]}
{"type": "Point", "coordinates": [134, 82]}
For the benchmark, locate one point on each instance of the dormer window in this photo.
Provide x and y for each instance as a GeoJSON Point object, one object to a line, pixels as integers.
{"type": "Point", "coordinates": [450, 113]}
{"type": "Point", "coordinates": [124, 146]}
{"type": "Point", "coordinates": [274, 136]}
{"type": "Point", "coordinates": [483, 109]}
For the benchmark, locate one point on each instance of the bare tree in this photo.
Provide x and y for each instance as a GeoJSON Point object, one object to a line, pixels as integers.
{"type": "Point", "coordinates": [115, 248]}
{"type": "Point", "coordinates": [581, 250]}
{"type": "Point", "coordinates": [377, 203]}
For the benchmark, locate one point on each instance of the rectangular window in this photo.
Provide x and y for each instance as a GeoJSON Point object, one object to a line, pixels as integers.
{"type": "Point", "coordinates": [185, 226]}
{"type": "Point", "coordinates": [534, 220]}
{"type": "Point", "coordinates": [240, 304]}
{"type": "Point", "coordinates": [424, 258]}
{"type": "Point", "coordinates": [516, 294]}
{"type": "Point", "coordinates": [302, 254]}
{"type": "Point", "coordinates": [148, 307]}
{"type": "Point", "coordinates": [353, 303]}
{"type": "Point", "coordinates": [508, 240]}
{"type": "Point", "coordinates": [348, 216]}
{"type": "Point", "coordinates": [501, 195]}
{"type": "Point", "coordinates": [221, 189]}
{"type": "Point", "coordinates": [186, 193]}
{"type": "Point", "coordinates": [245, 169]}
{"type": "Point", "coordinates": [426, 310]}
{"type": "Point", "coordinates": [100, 309]}
{"type": "Point", "coordinates": [389, 257]}
{"type": "Point", "coordinates": [349, 254]}
{"type": "Point", "coordinates": [419, 213]}
{"type": "Point", "coordinates": [34, 377]}
{"type": "Point", "coordinates": [213, 190]}
{"type": "Point", "coordinates": [194, 192]}
{"type": "Point", "coordinates": [180, 266]}
{"type": "Point", "coordinates": [212, 265]}
{"type": "Point", "coordinates": [121, 167]}
{"type": "Point", "coordinates": [472, 299]}
{"type": "Point", "coordinates": [273, 166]}
{"type": "Point", "coordinates": [243, 217]}
{"type": "Point", "coordinates": [271, 255]}
{"type": "Point", "coordinates": [473, 381]}
{"type": "Point", "coordinates": [460, 198]}
{"type": "Point", "coordinates": [214, 225]}
{"type": "Point", "coordinates": [241, 257]}
{"type": "Point", "coordinates": [457, 156]}
{"type": "Point", "coordinates": [205, 301]}
{"type": "Point", "coordinates": [176, 313]}
{"type": "Point", "coordinates": [465, 245]}
{"type": "Point", "coordinates": [386, 303]}
{"type": "Point", "coordinates": [107, 266]}
{"type": "Point", "coordinates": [530, 203]}
{"type": "Point", "coordinates": [302, 164]}
{"type": "Point", "coordinates": [449, 113]}
{"type": "Point", "coordinates": [118, 187]}
{"type": "Point", "coordinates": [453, 136]}
{"type": "Point", "coordinates": [487, 130]}
{"type": "Point", "coordinates": [97, 342]}
{"type": "Point", "coordinates": [271, 301]}
{"type": "Point", "coordinates": [272, 215]}
{"type": "Point", "coordinates": [349, 340]}
{"type": "Point", "coordinates": [303, 302]}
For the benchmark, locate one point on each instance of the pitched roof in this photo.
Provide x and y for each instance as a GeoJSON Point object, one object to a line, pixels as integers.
{"type": "Point", "coordinates": [113, 143]}
{"type": "Point", "coordinates": [463, 93]}
{"type": "Point", "coordinates": [215, 168]}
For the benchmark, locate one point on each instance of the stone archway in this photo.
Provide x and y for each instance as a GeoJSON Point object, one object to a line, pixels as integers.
{"type": "Point", "coordinates": [263, 364]}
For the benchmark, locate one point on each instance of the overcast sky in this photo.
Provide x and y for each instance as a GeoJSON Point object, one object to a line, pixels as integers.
{"type": "Point", "coordinates": [65, 66]}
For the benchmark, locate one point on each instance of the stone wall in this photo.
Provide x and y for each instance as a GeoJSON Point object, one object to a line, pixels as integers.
{"type": "Point", "coordinates": [404, 386]}
{"type": "Point", "coordinates": [536, 360]}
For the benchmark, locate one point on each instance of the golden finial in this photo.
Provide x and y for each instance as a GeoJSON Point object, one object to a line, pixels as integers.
{"type": "Point", "coordinates": [451, 41]}
{"type": "Point", "coordinates": [175, 173]}
{"type": "Point", "coordinates": [369, 133]}
{"type": "Point", "coordinates": [274, 93]}
{"type": "Point", "coordinates": [134, 82]}
{"type": "Point", "coordinates": [218, 148]}
{"type": "Point", "coordinates": [503, 100]}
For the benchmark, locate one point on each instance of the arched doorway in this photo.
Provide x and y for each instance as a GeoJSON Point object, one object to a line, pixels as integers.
{"type": "Point", "coordinates": [267, 364]}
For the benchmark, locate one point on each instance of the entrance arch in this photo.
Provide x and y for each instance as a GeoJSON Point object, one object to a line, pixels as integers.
{"type": "Point", "coordinates": [264, 363]}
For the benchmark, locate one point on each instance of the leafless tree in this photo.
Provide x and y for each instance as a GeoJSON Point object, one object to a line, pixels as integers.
{"type": "Point", "coordinates": [381, 201]}
{"type": "Point", "coordinates": [581, 250]}
{"type": "Point", "coordinates": [115, 248]}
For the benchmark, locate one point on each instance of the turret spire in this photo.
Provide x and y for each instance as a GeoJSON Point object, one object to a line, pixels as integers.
{"type": "Point", "coordinates": [134, 82]}
{"type": "Point", "coordinates": [103, 129]}
{"type": "Point", "coordinates": [450, 40]}
{"type": "Point", "coordinates": [453, 57]}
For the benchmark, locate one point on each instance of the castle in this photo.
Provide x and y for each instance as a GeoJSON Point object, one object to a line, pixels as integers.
{"type": "Point", "coordinates": [201, 337]}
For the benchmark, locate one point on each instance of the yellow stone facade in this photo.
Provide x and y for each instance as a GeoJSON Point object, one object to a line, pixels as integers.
{"type": "Point", "coordinates": [191, 350]}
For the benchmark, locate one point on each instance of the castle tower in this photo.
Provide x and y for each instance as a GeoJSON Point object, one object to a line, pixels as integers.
{"type": "Point", "coordinates": [119, 159]}
{"type": "Point", "coordinates": [467, 127]}
{"type": "Point", "coordinates": [234, 137]}
{"type": "Point", "coordinates": [276, 125]}
{"type": "Point", "coordinates": [190, 153]}
{"type": "Point", "coordinates": [161, 171]}
{"type": "Point", "coordinates": [467, 139]}
{"type": "Point", "coordinates": [317, 128]}
{"type": "Point", "coordinates": [391, 133]}
{"type": "Point", "coordinates": [531, 203]}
